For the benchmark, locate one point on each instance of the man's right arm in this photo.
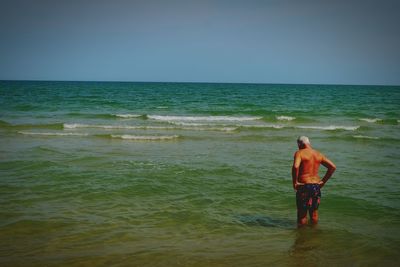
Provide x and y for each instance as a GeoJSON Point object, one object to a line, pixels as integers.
{"type": "Point", "coordinates": [331, 169]}
{"type": "Point", "coordinates": [295, 169]}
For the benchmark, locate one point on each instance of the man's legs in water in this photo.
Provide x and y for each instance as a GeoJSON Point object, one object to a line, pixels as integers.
{"type": "Point", "coordinates": [314, 216]}
{"type": "Point", "coordinates": [301, 217]}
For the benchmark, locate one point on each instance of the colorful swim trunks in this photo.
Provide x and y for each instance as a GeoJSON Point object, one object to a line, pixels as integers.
{"type": "Point", "coordinates": [308, 196]}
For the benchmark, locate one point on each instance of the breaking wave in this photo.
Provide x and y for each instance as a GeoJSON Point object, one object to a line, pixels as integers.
{"type": "Point", "coordinates": [145, 138]}
{"type": "Point", "coordinates": [285, 118]}
{"type": "Point", "coordinates": [329, 127]}
{"type": "Point", "coordinates": [202, 118]}
{"type": "Point", "coordinates": [273, 126]}
{"type": "Point", "coordinates": [150, 127]}
{"type": "Point", "coordinates": [263, 126]}
{"type": "Point", "coordinates": [374, 120]}
{"type": "Point", "coordinates": [54, 134]}
{"type": "Point", "coordinates": [128, 116]}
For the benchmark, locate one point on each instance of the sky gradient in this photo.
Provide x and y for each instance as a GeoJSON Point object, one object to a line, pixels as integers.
{"type": "Point", "coordinates": [310, 41]}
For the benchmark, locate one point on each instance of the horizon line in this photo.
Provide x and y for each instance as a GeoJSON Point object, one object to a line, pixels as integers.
{"type": "Point", "coordinates": [199, 82]}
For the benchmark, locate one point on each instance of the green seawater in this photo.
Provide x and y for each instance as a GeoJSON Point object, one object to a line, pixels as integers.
{"type": "Point", "coordinates": [194, 174]}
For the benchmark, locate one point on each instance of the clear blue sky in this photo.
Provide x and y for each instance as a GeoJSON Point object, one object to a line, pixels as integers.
{"type": "Point", "coordinates": [270, 41]}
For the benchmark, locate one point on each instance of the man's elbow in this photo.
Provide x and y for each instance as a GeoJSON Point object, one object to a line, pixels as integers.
{"type": "Point", "coordinates": [333, 167]}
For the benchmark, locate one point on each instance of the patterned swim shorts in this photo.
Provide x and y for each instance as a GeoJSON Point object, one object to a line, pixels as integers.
{"type": "Point", "coordinates": [308, 196]}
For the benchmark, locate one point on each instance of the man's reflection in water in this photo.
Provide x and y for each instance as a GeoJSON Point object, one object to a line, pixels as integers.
{"type": "Point", "coordinates": [304, 251]}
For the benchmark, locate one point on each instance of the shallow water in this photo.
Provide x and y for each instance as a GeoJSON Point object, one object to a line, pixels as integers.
{"type": "Point", "coordinates": [175, 174]}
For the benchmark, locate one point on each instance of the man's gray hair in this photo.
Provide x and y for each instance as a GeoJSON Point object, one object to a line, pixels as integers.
{"type": "Point", "coordinates": [303, 140]}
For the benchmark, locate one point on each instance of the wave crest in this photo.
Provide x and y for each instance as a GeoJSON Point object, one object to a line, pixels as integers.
{"type": "Point", "coordinates": [128, 116]}
{"type": "Point", "coordinates": [53, 134]}
{"type": "Point", "coordinates": [145, 138]}
{"type": "Point", "coordinates": [202, 118]}
{"type": "Point", "coordinates": [329, 127]}
{"type": "Point", "coordinates": [374, 120]}
{"type": "Point", "coordinates": [190, 127]}
{"type": "Point", "coordinates": [285, 118]}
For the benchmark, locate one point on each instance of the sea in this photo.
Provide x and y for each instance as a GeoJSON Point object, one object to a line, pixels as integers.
{"type": "Point", "coordinates": [194, 174]}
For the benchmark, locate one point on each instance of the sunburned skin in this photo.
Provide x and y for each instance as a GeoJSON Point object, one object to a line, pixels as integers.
{"type": "Point", "coordinates": [310, 161]}
{"type": "Point", "coordinates": [305, 171]}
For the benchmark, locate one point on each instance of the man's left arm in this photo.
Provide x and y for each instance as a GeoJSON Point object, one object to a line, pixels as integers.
{"type": "Point", "coordinates": [331, 167]}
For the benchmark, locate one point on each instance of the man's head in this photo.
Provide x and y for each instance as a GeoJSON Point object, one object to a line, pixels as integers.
{"type": "Point", "coordinates": [303, 141]}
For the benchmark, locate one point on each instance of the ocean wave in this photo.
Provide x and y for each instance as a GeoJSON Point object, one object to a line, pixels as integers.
{"type": "Point", "coordinates": [371, 120]}
{"type": "Point", "coordinates": [205, 126]}
{"type": "Point", "coordinates": [279, 126]}
{"type": "Point", "coordinates": [263, 126]}
{"type": "Point", "coordinates": [177, 125]}
{"type": "Point", "coordinates": [326, 128]}
{"type": "Point", "coordinates": [268, 126]}
{"type": "Point", "coordinates": [104, 115]}
{"type": "Point", "coordinates": [92, 115]}
{"type": "Point", "coordinates": [145, 127]}
{"type": "Point", "coordinates": [128, 116]}
{"type": "Point", "coordinates": [329, 127]}
{"type": "Point", "coordinates": [285, 118]}
{"type": "Point", "coordinates": [111, 127]}
{"type": "Point", "coordinates": [202, 118]}
{"type": "Point", "coordinates": [365, 137]}
{"type": "Point", "coordinates": [223, 127]}
{"type": "Point", "coordinates": [193, 124]}
{"type": "Point", "coordinates": [54, 134]}
{"type": "Point", "coordinates": [145, 138]}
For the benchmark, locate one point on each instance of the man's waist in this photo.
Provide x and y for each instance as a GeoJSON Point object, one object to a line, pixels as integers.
{"type": "Point", "coordinates": [309, 179]}
{"type": "Point", "coordinates": [310, 186]}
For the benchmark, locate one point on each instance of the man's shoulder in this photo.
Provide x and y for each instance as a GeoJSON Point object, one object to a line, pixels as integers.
{"type": "Point", "coordinates": [319, 154]}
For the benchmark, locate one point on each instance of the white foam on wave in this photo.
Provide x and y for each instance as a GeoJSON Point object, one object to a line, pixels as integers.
{"type": "Point", "coordinates": [72, 126]}
{"type": "Point", "coordinates": [126, 116]}
{"type": "Point", "coordinates": [202, 118]}
{"type": "Point", "coordinates": [223, 129]}
{"type": "Point", "coordinates": [111, 127]}
{"type": "Point", "coordinates": [230, 126]}
{"type": "Point", "coordinates": [191, 127]}
{"type": "Point", "coordinates": [209, 127]}
{"type": "Point", "coordinates": [194, 124]}
{"type": "Point", "coordinates": [54, 134]}
{"type": "Point", "coordinates": [263, 126]}
{"type": "Point", "coordinates": [371, 120]}
{"type": "Point", "coordinates": [365, 137]}
{"type": "Point", "coordinates": [145, 138]}
{"type": "Point", "coordinates": [285, 118]}
{"type": "Point", "coordinates": [279, 126]}
{"type": "Point", "coordinates": [329, 127]}
{"type": "Point", "coordinates": [274, 126]}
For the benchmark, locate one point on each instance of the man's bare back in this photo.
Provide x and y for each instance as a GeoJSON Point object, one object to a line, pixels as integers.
{"type": "Point", "coordinates": [306, 180]}
{"type": "Point", "coordinates": [306, 165]}
{"type": "Point", "coordinates": [310, 160]}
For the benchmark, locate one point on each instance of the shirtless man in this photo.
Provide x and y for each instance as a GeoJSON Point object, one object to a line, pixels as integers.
{"type": "Point", "coordinates": [306, 181]}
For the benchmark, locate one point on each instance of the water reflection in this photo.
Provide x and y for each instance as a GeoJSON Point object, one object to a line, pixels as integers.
{"type": "Point", "coordinates": [266, 221]}
{"type": "Point", "coordinates": [306, 247]}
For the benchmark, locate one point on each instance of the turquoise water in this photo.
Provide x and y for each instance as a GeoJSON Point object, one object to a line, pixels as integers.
{"type": "Point", "coordinates": [191, 174]}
